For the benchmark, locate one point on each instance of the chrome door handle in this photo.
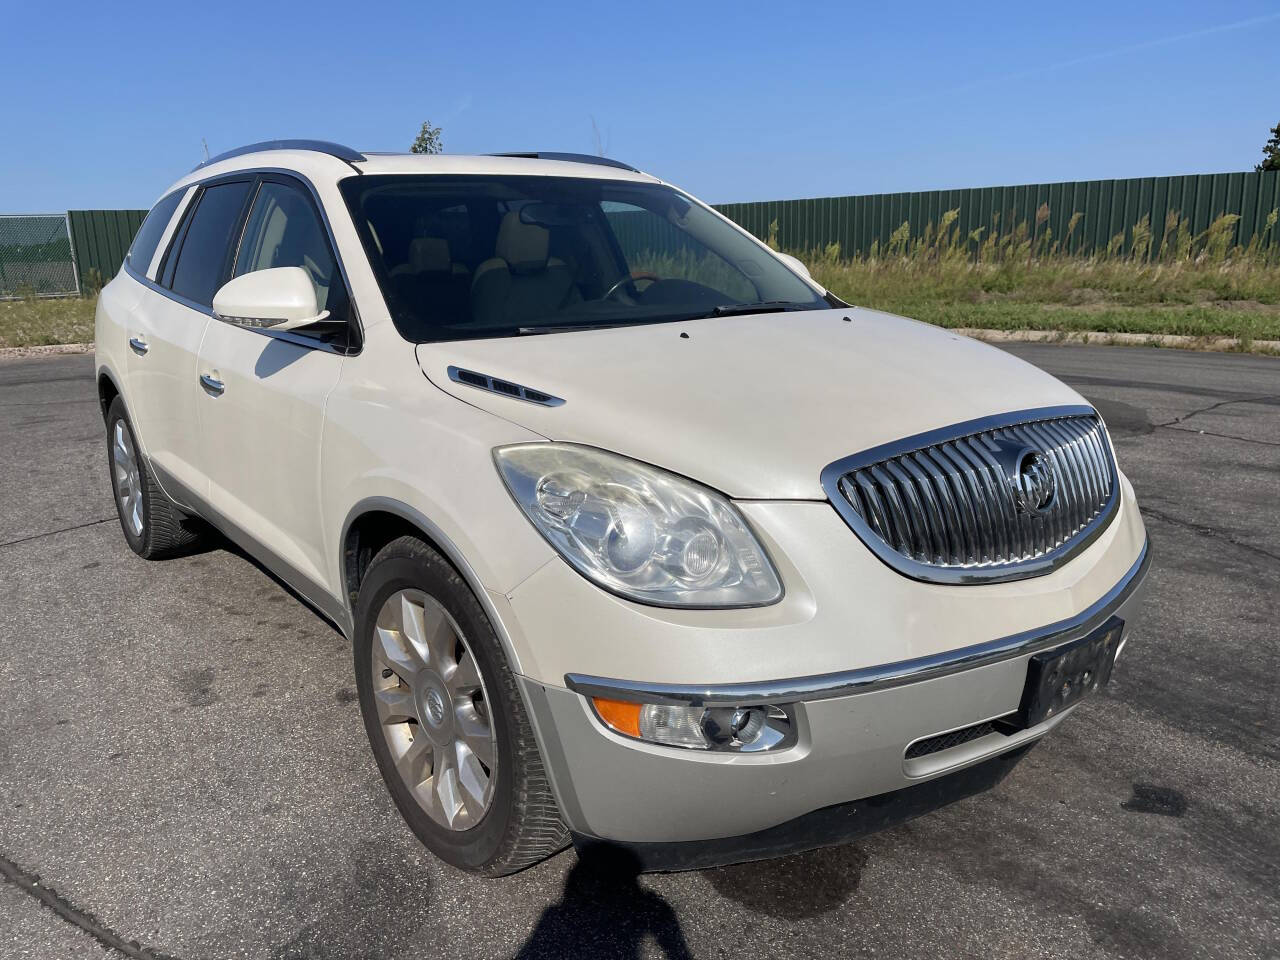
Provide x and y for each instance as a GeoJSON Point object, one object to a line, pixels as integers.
{"type": "Point", "coordinates": [212, 386]}
{"type": "Point", "coordinates": [139, 345]}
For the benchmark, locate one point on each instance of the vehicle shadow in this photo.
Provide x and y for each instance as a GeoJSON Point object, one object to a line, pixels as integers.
{"type": "Point", "coordinates": [604, 912]}
{"type": "Point", "coordinates": [797, 887]}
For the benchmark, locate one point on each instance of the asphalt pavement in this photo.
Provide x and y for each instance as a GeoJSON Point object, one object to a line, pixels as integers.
{"type": "Point", "coordinates": [183, 771]}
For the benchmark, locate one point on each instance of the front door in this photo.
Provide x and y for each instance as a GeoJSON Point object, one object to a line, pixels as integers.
{"type": "Point", "coordinates": [262, 401]}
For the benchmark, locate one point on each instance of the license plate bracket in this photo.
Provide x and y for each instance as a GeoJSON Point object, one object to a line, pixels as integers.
{"type": "Point", "coordinates": [1061, 677]}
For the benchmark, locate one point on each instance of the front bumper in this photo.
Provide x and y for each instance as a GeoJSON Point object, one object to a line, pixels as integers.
{"type": "Point", "coordinates": [848, 771]}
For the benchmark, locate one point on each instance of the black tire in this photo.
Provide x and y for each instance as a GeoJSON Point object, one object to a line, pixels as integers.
{"type": "Point", "coordinates": [522, 824]}
{"type": "Point", "coordinates": [166, 532]}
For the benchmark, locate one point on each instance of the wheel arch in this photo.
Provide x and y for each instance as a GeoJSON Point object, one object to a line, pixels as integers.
{"type": "Point", "coordinates": [108, 390]}
{"type": "Point", "coordinates": [374, 522]}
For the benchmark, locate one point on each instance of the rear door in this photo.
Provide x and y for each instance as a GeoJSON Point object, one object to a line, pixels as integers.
{"type": "Point", "coordinates": [262, 410]}
{"type": "Point", "coordinates": [167, 327]}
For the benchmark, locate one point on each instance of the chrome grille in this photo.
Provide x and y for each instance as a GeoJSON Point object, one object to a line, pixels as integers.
{"type": "Point", "coordinates": [969, 503]}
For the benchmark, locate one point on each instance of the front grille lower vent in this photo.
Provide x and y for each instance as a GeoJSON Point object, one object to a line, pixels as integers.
{"type": "Point", "coordinates": [503, 387]}
{"type": "Point", "coordinates": [998, 499]}
{"type": "Point", "coordinates": [945, 741]}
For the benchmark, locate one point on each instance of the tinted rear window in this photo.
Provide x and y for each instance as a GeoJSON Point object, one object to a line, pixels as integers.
{"type": "Point", "coordinates": [152, 229]}
{"type": "Point", "coordinates": [206, 251]}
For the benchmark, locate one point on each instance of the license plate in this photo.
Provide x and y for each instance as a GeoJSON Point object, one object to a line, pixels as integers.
{"type": "Point", "coordinates": [1060, 677]}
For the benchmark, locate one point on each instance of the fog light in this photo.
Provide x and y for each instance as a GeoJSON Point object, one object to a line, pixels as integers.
{"type": "Point", "coordinates": [741, 726]}
{"type": "Point", "coordinates": [743, 729]}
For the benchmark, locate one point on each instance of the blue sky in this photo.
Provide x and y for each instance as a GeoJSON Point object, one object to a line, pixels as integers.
{"type": "Point", "coordinates": [106, 104]}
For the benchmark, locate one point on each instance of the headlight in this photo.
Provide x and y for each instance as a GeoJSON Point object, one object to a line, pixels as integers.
{"type": "Point", "coordinates": [639, 531]}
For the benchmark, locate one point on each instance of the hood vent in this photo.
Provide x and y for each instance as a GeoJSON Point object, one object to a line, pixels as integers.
{"type": "Point", "coordinates": [503, 387]}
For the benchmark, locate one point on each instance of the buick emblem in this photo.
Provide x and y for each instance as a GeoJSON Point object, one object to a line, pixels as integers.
{"type": "Point", "coordinates": [1034, 483]}
{"type": "Point", "coordinates": [435, 707]}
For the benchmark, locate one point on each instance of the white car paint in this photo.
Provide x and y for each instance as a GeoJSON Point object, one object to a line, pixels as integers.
{"type": "Point", "coordinates": [300, 442]}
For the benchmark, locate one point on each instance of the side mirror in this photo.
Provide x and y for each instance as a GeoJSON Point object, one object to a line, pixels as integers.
{"type": "Point", "coordinates": [280, 298]}
{"type": "Point", "coordinates": [801, 269]}
{"type": "Point", "coordinates": [794, 264]}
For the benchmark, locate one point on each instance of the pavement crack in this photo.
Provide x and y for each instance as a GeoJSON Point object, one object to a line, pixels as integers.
{"type": "Point", "coordinates": [1215, 406]}
{"type": "Point", "coordinates": [51, 533]}
{"type": "Point", "coordinates": [1148, 511]}
{"type": "Point", "coordinates": [1224, 436]}
{"type": "Point", "coordinates": [29, 883]}
{"type": "Point", "coordinates": [46, 403]}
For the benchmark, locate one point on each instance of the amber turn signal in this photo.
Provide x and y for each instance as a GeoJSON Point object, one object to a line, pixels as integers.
{"type": "Point", "coordinates": [619, 715]}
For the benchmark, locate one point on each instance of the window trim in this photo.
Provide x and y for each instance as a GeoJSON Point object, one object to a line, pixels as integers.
{"type": "Point", "coordinates": [195, 189]}
{"type": "Point", "coordinates": [237, 229]}
{"type": "Point", "coordinates": [164, 232]}
{"type": "Point", "coordinates": [170, 230]}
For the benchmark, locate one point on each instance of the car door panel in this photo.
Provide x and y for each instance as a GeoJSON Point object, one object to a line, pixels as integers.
{"type": "Point", "coordinates": [163, 343]}
{"type": "Point", "coordinates": [263, 394]}
{"type": "Point", "coordinates": [261, 438]}
{"type": "Point", "coordinates": [167, 328]}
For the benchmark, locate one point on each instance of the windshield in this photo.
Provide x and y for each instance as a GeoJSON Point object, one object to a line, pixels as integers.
{"type": "Point", "coordinates": [466, 257]}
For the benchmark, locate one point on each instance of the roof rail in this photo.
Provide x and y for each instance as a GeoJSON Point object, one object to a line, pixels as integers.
{"type": "Point", "coordinates": [316, 146]}
{"type": "Point", "coordinates": [570, 158]}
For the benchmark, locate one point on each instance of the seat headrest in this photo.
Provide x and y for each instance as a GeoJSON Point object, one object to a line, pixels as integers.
{"type": "Point", "coordinates": [429, 255]}
{"type": "Point", "coordinates": [523, 245]}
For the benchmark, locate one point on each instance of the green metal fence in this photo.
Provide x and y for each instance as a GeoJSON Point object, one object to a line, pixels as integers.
{"type": "Point", "coordinates": [35, 257]}
{"type": "Point", "coordinates": [101, 238]}
{"type": "Point", "coordinates": [1107, 209]}
{"type": "Point", "coordinates": [1081, 218]}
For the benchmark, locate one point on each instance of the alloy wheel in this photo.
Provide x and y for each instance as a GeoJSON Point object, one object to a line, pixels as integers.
{"type": "Point", "coordinates": [433, 709]}
{"type": "Point", "coordinates": [124, 468]}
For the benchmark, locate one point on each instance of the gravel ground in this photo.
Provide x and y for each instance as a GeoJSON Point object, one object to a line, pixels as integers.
{"type": "Point", "coordinates": [182, 762]}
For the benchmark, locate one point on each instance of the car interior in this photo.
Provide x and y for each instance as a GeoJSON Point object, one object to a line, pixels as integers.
{"type": "Point", "coordinates": [464, 260]}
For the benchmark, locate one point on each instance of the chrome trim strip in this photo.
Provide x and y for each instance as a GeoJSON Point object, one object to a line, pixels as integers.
{"type": "Point", "coordinates": [869, 679]}
{"type": "Point", "coordinates": [933, 573]}
{"type": "Point", "coordinates": [456, 375]}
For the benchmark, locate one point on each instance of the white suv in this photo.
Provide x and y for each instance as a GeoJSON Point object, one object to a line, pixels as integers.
{"type": "Point", "coordinates": [639, 535]}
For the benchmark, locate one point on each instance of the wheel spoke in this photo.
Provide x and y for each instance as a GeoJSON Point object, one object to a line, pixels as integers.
{"type": "Point", "coordinates": [473, 780]}
{"type": "Point", "coordinates": [395, 705]}
{"type": "Point", "coordinates": [411, 617]}
{"type": "Point", "coordinates": [474, 732]}
{"type": "Point", "coordinates": [464, 678]}
{"type": "Point", "coordinates": [445, 782]}
{"type": "Point", "coordinates": [390, 649]}
{"type": "Point", "coordinates": [439, 638]}
{"type": "Point", "coordinates": [414, 764]}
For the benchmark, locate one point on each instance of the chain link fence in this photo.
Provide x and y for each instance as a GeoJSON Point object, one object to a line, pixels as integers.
{"type": "Point", "coordinates": [35, 257]}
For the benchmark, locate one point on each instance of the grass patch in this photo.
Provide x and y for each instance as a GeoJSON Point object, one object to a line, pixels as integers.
{"type": "Point", "coordinates": [1197, 299]}
{"type": "Point", "coordinates": [1200, 285]}
{"type": "Point", "coordinates": [36, 322]}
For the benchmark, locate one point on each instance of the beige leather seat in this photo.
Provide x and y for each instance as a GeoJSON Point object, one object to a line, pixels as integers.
{"type": "Point", "coordinates": [520, 282]}
{"type": "Point", "coordinates": [429, 285]}
{"type": "Point", "coordinates": [428, 255]}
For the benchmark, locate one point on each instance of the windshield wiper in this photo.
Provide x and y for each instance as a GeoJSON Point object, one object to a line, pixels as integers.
{"type": "Point", "coordinates": [568, 328]}
{"type": "Point", "coordinates": [766, 306]}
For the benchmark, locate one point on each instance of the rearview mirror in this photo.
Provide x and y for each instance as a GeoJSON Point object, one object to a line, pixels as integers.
{"type": "Point", "coordinates": [280, 298]}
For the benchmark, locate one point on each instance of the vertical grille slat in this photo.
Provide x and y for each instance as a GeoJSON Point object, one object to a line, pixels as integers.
{"type": "Point", "coordinates": [955, 505]}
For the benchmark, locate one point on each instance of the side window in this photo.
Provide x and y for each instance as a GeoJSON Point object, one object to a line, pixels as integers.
{"type": "Point", "coordinates": [651, 245]}
{"type": "Point", "coordinates": [284, 230]}
{"type": "Point", "coordinates": [207, 246]}
{"type": "Point", "coordinates": [148, 236]}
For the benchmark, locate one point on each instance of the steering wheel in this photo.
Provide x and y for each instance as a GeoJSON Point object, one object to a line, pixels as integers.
{"type": "Point", "coordinates": [630, 280]}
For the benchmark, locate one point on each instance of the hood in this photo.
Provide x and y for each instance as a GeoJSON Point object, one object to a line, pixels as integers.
{"type": "Point", "coordinates": [753, 406]}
